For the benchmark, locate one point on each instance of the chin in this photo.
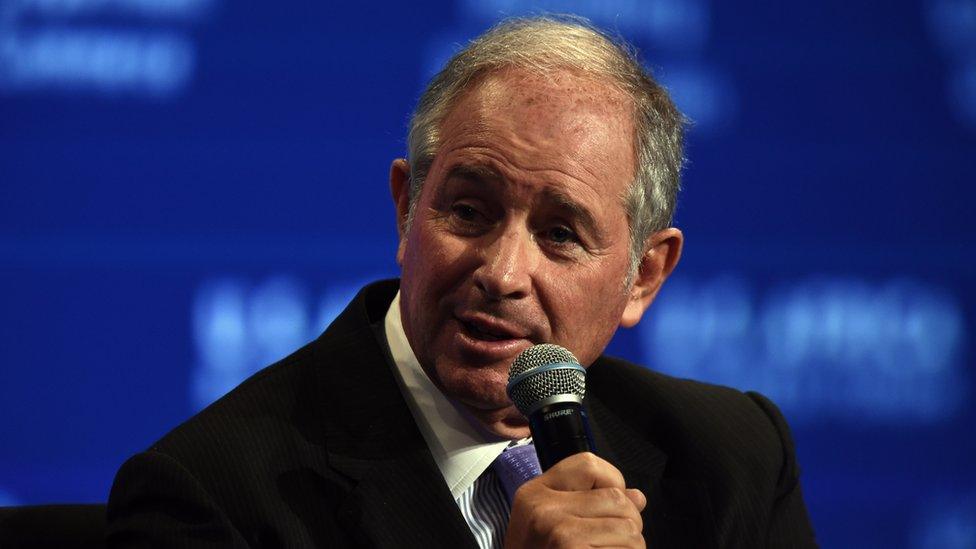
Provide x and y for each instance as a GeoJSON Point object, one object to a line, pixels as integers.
{"type": "Point", "coordinates": [482, 389]}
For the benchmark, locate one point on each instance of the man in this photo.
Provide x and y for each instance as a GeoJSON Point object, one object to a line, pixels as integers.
{"type": "Point", "coordinates": [535, 207]}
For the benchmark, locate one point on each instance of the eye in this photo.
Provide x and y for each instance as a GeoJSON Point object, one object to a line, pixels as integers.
{"type": "Point", "coordinates": [465, 212]}
{"type": "Point", "coordinates": [468, 219]}
{"type": "Point", "coordinates": [561, 235]}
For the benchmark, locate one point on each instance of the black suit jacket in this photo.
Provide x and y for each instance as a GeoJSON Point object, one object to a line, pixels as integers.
{"type": "Point", "coordinates": [321, 449]}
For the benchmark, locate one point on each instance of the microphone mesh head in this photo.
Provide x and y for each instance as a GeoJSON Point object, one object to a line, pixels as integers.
{"type": "Point", "coordinates": [536, 388]}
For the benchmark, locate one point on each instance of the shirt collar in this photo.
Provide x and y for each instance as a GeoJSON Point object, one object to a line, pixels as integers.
{"type": "Point", "coordinates": [461, 452]}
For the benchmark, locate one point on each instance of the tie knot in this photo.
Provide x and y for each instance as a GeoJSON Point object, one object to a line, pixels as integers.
{"type": "Point", "coordinates": [515, 466]}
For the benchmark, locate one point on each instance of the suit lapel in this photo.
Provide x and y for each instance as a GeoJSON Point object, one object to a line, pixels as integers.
{"type": "Point", "coordinates": [399, 497]}
{"type": "Point", "coordinates": [394, 505]}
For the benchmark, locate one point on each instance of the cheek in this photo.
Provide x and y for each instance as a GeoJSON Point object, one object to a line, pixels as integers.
{"type": "Point", "coordinates": [585, 308]}
{"type": "Point", "coordinates": [433, 264]}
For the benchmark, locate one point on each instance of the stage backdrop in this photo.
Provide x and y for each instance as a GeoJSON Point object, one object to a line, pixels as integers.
{"type": "Point", "coordinates": [191, 189]}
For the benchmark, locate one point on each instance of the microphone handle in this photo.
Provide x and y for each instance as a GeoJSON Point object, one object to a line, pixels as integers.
{"type": "Point", "coordinates": [558, 431]}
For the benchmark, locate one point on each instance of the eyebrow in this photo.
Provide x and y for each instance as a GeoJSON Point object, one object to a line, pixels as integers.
{"type": "Point", "coordinates": [576, 210]}
{"type": "Point", "coordinates": [475, 173]}
{"type": "Point", "coordinates": [554, 196]}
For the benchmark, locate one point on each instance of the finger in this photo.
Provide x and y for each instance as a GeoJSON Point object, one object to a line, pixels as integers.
{"type": "Point", "coordinates": [637, 498]}
{"type": "Point", "coordinates": [598, 503]}
{"type": "Point", "coordinates": [583, 471]}
{"type": "Point", "coordinates": [602, 532]}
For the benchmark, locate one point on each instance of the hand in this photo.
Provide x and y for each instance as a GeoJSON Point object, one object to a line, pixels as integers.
{"type": "Point", "coordinates": [579, 502]}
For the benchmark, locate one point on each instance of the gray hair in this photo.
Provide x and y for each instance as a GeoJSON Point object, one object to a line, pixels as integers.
{"type": "Point", "coordinates": [544, 45]}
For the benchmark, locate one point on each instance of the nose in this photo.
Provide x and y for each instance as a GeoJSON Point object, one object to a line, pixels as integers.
{"type": "Point", "coordinates": [507, 266]}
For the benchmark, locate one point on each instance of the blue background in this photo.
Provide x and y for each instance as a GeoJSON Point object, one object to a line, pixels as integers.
{"type": "Point", "coordinates": [190, 189]}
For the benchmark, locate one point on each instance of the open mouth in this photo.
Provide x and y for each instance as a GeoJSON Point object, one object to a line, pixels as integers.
{"type": "Point", "coordinates": [484, 334]}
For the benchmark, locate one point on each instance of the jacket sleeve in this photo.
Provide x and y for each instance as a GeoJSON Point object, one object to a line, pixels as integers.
{"type": "Point", "coordinates": [789, 523]}
{"type": "Point", "coordinates": [156, 502]}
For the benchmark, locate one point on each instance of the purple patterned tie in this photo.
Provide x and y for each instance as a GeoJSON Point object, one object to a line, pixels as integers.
{"type": "Point", "coordinates": [516, 465]}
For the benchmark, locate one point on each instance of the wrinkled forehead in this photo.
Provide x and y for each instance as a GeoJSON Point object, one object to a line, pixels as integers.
{"type": "Point", "coordinates": [572, 115]}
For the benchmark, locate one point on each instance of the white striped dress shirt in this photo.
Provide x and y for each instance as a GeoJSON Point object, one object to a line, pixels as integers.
{"type": "Point", "coordinates": [485, 507]}
{"type": "Point", "coordinates": [462, 453]}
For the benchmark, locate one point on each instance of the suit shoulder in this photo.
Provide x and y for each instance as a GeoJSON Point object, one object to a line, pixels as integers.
{"type": "Point", "coordinates": [702, 422]}
{"type": "Point", "coordinates": [255, 420]}
{"type": "Point", "coordinates": [622, 381]}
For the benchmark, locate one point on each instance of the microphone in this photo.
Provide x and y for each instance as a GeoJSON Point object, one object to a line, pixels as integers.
{"type": "Point", "coordinates": [547, 383]}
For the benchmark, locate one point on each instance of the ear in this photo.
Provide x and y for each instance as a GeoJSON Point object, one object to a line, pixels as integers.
{"type": "Point", "coordinates": [400, 189]}
{"type": "Point", "coordinates": [662, 255]}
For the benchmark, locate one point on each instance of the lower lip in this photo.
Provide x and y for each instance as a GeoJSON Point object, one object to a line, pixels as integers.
{"type": "Point", "coordinates": [489, 350]}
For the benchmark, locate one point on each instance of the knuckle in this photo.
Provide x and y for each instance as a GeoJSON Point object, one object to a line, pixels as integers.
{"type": "Point", "coordinates": [563, 535]}
{"type": "Point", "coordinates": [638, 524]}
{"type": "Point", "coordinates": [544, 517]}
{"type": "Point", "coordinates": [616, 496]}
{"type": "Point", "coordinates": [590, 458]}
{"type": "Point", "coordinates": [590, 464]}
{"type": "Point", "coordinates": [535, 521]}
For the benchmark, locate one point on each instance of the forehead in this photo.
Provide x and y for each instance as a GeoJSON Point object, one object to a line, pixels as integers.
{"type": "Point", "coordinates": [560, 125]}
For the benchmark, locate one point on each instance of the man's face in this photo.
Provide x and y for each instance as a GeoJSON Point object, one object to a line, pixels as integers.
{"type": "Point", "coordinates": [520, 234]}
